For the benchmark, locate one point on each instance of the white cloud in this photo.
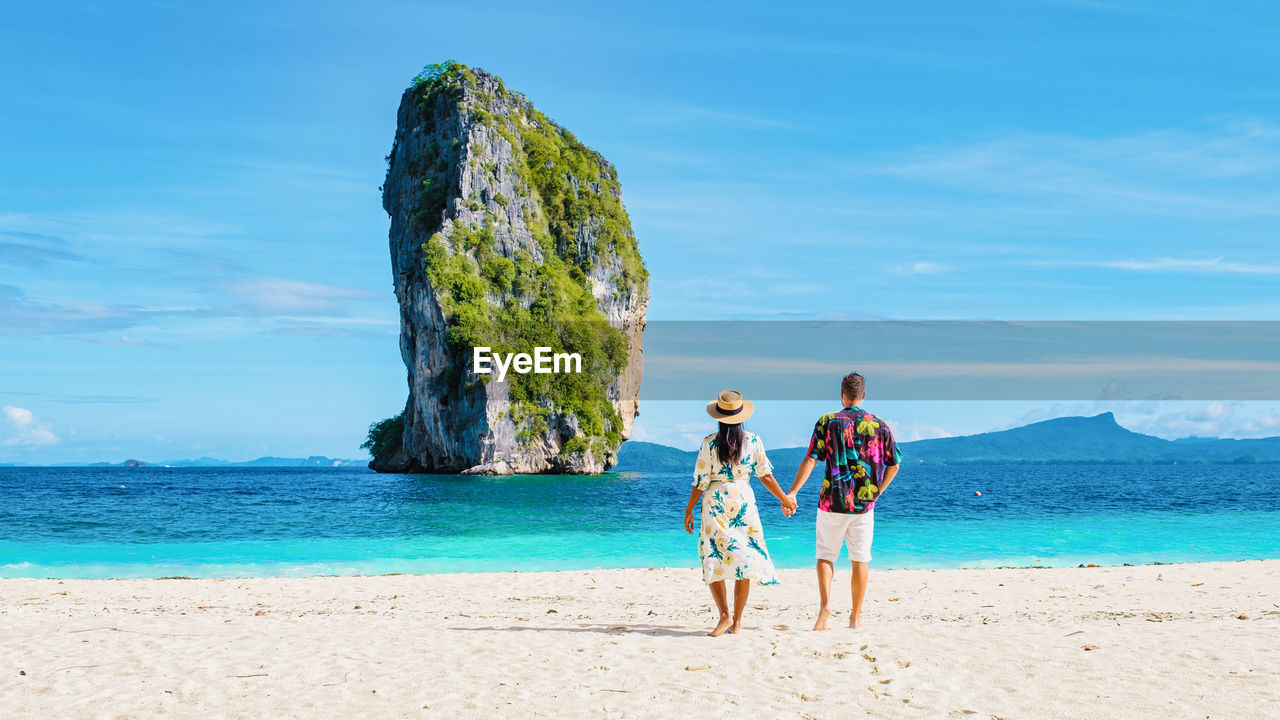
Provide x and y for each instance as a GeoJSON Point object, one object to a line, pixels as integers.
{"type": "Point", "coordinates": [27, 429]}
{"type": "Point", "coordinates": [20, 417]}
{"type": "Point", "coordinates": [733, 119]}
{"type": "Point", "coordinates": [912, 431]}
{"type": "Point", "coordinates": [921, 268]}
{"type": "Point", "coordinates": [1214, 419]}
{"type": "Point", "coordinates": [1166, 264]}
{"type": "Point", "coordinates": [281, 295]}
{"type": "Point", "coordinates": [1172, 419]}
{"type": "Point", "coordinates": [686, 435]}
{"type": "Point", "coordinates": [1177, 172]}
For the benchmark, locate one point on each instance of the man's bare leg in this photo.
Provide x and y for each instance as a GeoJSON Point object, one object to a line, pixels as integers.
{"type": "Point", "coordinates": [858, 586]}
{"type": "Point", "coordinates": [719, 594]}
{"type": "Point", "coordinates": [741, 589]}
{"type": "Point", "coordinates": [826, 571]}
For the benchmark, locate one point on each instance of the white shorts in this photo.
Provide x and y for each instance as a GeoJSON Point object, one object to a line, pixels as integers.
{"type": "Point", "coordinates": [852, 529]}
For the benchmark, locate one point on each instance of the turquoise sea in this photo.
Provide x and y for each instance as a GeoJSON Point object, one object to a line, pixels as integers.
{"type": "Point", "coordinates": [238, 522]}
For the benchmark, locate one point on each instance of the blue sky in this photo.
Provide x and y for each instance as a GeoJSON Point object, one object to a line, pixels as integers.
{"type": "Point", "coordinates": [193, 253]}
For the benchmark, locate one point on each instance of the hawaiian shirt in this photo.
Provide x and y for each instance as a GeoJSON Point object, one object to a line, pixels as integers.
{"type": "Point", "coordinates": [857, 447]}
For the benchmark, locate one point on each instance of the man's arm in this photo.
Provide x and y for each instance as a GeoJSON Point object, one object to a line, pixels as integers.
{"type": "Point", "coordinates": [889, 474]}
{"type": "Point", "coordinates": [894, 455]}
{"type": "Point", "coordinates": [802, 476]}
{"type": "Point", "coordinates": [816, 450]}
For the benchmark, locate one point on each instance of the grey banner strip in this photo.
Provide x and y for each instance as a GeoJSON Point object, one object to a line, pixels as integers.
{"type": "Point", "coordinates": [965, 360]}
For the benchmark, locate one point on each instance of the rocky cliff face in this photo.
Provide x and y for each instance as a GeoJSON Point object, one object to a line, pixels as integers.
{"type": "Point", "coordinates": [507, 232]}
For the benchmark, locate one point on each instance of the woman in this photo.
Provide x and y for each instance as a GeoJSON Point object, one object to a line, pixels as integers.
{"type": "Point", "coordinates": [732, 541]}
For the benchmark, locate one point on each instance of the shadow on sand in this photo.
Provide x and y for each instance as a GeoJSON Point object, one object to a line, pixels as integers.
{"type": "Point", "coordinates": [641, 629]}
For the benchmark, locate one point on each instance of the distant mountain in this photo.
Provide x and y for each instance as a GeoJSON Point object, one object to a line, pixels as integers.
{"type": "Point", "coordinates": [313, 461]}
{"type": "Point", "coordinates": [1097, 439]}
{"type": "Point", "coordinates": [638, 455]}
{"type": "Point", "coordinates": [1088, 439]}
{"type": "Point", "coordinates": [198, 462]}
{"type": "Point", "coordinates": [270, 461]}
{"type": "Point", "coordinates": [1065, 439]}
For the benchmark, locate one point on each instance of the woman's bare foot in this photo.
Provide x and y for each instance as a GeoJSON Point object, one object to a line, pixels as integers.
{"type": "Point", "coordinates": [736, 627]}
{"type": "Point", "coordinates": [855, 621]}
{"type": "Point", "coordinates": [823, 614]}
{"type": "Point", "coordinates": [725, 622]}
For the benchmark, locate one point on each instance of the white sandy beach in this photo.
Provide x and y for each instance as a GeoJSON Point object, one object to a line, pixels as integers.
{"type": "Point", "coordinates": [1195, 640]}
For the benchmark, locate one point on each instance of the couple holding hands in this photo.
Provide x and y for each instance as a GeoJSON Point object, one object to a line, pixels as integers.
{"type": "Point", "coordinates": [861, 460]}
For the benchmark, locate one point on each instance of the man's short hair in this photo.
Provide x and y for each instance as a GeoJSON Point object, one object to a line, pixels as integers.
{"type": "Point", "coordinates": [853, 386]}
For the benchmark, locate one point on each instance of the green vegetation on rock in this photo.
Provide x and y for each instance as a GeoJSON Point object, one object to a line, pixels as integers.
{"type": "Point", "coordinates": [385, 437]}
{"type": "Point", "coordinates": [553, 159]}
{"type": "Point", "coordinates": [437, 75]}
{"type": "Point", "coordinates": [515, 306]}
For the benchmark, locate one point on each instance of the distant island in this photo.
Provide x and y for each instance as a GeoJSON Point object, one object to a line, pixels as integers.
{"type": "Point", "coordinates": [1097, 439]}
{"type": "Point", "coordinates": [312, 461]}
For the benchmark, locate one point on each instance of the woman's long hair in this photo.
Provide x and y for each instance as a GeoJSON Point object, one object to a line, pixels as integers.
{"type": "Point", "coordinates": [729, 443]}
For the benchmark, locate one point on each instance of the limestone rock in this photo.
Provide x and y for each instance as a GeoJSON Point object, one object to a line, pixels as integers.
{"type": "Point", "coordinates": [506, 229]}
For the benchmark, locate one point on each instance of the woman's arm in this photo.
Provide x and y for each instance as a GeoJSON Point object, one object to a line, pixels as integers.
{"type": "Point", "coordinates": [694, 495]}
{"type": "Point", "coordinates": [701, 480]}
{"type": "Point", "coordinates": [771, 484]}
{"type": "Point", "coordinates": [763, 469]}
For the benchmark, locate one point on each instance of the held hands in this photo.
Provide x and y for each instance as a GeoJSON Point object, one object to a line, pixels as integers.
{"type": "Point", "coordinates": [789, 505]}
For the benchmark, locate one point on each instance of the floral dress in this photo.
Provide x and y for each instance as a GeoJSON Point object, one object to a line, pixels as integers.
{"type": "Point", "coordinates": [731, 542]}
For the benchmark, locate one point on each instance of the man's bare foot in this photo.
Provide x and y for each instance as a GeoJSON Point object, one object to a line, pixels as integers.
{"type": "Point", "coordinates": [855, 621]}
{"type": "Point", "coordinates": [735, 628]}
{"type": "Point", "coordinates": [723, 625]}
{"type": "Point", "coordinates": [823, 614]}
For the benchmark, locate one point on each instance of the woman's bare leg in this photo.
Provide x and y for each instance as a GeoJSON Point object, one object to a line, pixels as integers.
{"type": "Point", "coordinates": [720, 594]}
{"type": "Point", "coordinates": [741, 589]}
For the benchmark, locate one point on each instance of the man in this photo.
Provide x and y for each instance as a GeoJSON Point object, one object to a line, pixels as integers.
{"type": "Point", "coordinates": [862, 459]}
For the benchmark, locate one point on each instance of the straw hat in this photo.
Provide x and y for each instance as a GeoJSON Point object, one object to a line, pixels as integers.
{"type": "Point", "coordinates": [730, 408]}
